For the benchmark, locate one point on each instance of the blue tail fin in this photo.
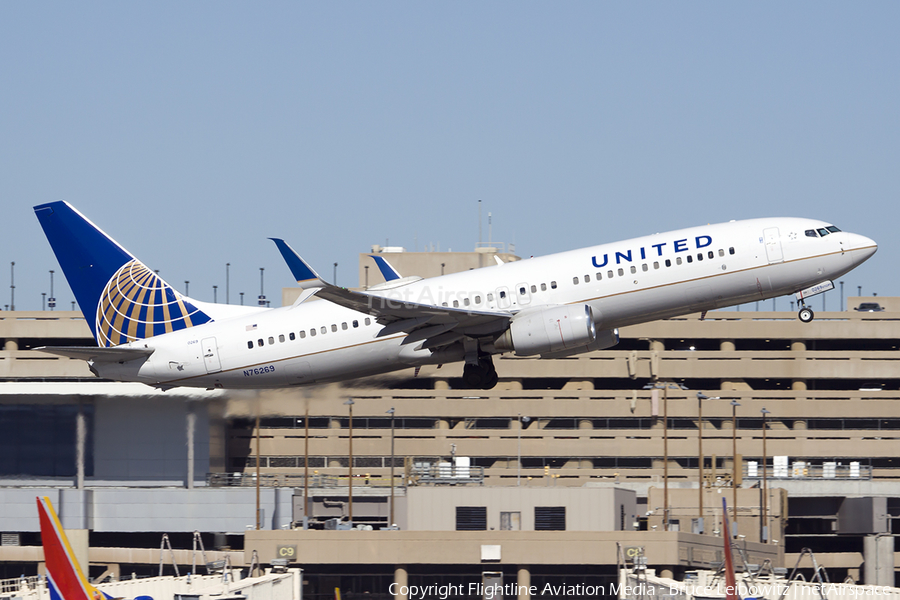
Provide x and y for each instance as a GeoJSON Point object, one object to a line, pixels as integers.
{"type": "Point", "coordinates": [121, 299]}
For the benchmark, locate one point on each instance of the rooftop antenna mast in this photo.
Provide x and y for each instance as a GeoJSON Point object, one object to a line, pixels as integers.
{"type": "Point", "coordinates": [479, 222]}
{"type": "Point", "coordinates": [490, 230]}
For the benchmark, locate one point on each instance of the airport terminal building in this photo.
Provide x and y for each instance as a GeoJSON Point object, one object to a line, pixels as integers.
{"type": "Point", "coordinates": [562, 471]}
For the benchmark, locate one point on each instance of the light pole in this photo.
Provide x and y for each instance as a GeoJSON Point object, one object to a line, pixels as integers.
{"type": "Point", "coordinates": [215, 293]}
{"type": "Point", "coordinates": [51, 301]}
{"type": "Point", "coordinates": [842, 296]}
{"type": "Point", "coordinates": [227, 284]}
{"type": "Point", "coordinates": [187, 287]}
{"type": "Point", "coordinates": [391, 412]}
{"type": "Point", "coordinates": [12, 285]}
{"type": "Point", "coordinates": [734, 466]}
{"type": "Point", "coordinates": [765, 507]}
{"type": "Point", "coordinates": [242, 298]}
{"type": "Point", "coordinates": [258, 515]}
{"type": "Point", "coordinates": [700, 398]}
{"type": "Point", "coordinates": [665, 388]}
{"type": "Point", "coordinates": [43, 300]}
{"type": "Point", "coordinates": [262, 295]}
{"type": "Point", "coordinates": [519, 446]}
{"type": "Point", "coordinates": [306, 467]}
{"type": "Point", "coordinates": [350, 404]}
{"type": "Point", "coordinates": [335, 274]}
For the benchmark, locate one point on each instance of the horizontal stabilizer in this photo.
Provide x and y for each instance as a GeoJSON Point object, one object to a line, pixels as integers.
{"type": "Point", "coordinates": [98, 354]}
{"type": "Point", "coordinates": [302, 272]}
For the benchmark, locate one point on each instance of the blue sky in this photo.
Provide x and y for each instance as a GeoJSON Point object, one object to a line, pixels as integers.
{"type": "Point", "coordinates": [191, 132]}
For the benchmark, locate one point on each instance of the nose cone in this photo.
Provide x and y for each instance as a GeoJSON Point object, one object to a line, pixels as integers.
{"type": "Point", "coordinates": [861, 247]}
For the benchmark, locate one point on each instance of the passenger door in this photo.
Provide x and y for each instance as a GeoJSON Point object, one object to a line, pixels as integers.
{"type": "Point", "coordinates": [773, 245]}
{"type": "Point", "coordinates": [211, 355]}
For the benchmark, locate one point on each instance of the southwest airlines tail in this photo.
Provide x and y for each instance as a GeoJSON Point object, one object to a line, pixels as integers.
{"type": "Point", "coordinates": [121, 299]}
{"type": "Point", "coordinates": [65, 579]}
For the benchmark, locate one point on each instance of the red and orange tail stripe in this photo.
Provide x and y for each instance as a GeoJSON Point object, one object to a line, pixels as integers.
{"type": "Point", "coordinates": [64, 576]}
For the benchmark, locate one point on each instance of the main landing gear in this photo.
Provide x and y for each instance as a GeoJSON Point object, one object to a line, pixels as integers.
{"type": "Point", "coordinates": [480, 375]}
{"type": "Point", "coordinates": [806, 314]}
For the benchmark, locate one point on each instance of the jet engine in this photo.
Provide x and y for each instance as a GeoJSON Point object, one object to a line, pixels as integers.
{"type": "Point", "coordinates": [555, 329]}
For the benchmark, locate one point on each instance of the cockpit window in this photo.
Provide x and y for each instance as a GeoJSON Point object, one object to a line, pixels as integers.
{"type": "Point", "coordinates": [833, 229]}
{"type": "Point", "coordinates": [811, 233]}
{"type": "Point", "coordinates": [823, 232]}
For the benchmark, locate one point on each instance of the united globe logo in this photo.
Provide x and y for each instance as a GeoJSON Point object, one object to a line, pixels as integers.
{"type": "Point", "coordinates": [136, 304]}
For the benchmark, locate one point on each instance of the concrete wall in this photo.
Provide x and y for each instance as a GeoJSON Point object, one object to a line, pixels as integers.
{"type": "Point", "coordinates": [587, 509]}
{"type": "Point", "coordinates": [138, 439]}
{"type": "Point", "coordinates": [169, 510]}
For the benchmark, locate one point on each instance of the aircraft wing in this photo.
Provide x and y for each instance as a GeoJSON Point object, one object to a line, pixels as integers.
{"type": "Point", "coordinates": [437, 325]}
{"type": "Point", "coordinates": [98, 354]}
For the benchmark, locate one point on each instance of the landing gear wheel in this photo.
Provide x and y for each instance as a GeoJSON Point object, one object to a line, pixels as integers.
{"type": "Point", "coordinates": [806, 314]}
{"type": "Point", "coordinates": [481, 375]}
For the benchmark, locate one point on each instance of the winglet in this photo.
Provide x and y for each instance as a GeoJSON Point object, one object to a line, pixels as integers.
{"type": "Point", "coordinates": [303, 273]}
{"type": "Point", "coordinates": [387, 271]}
{"type": "Point", "coordinates": [64, 575]}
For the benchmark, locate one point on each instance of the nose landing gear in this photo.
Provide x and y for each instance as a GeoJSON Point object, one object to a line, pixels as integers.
{"type": "Point", "coordinates": [806, 314]}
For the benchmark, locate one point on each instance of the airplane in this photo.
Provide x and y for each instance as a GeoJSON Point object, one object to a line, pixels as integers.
{"type": "Point", "coordinates": [65, 579]}
{"type": "Point", "coordinates": [552, 306]}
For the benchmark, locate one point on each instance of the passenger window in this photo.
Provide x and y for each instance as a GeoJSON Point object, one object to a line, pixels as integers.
{"type": "Point", "coordinates": [281, 338]}
{"type": "Point", "coordinates": [333, 328]}
{"type": "Point", "coordinates": [711, 254]}
{"type": "Point", "coordinates": [521, 291]}
{"type": "Point", "coordinates": [677, 260]}
{"type": "Point", "coordinates": [477, 299]}
{"type": "Point", "coordinates": [575, 280]}
{"type": "Point", "coordinates": [621, 271]}
{"type": "Point", "coordinates": [731, 250]}
{"type": "Point", "coordinates": [250, 344]}
{"type": "Point", "coordinates": [656, 264]}
{"type": "Point", "coordinates": [490, 297]}
{"type": "Point", "coordinates": [587, 278]}
{"type": "Point", "coordinates": [633, 269]}
{"type": "Point", "coordinates": [291, 336]}
{"type": "Point", "coordinates": [344, 325]}
{"type": "Point", "coordinates": [271, 340]}
{"type": "Point", "coordinates": [533, 289]}
{"type": "Point", "coordinates": [368, 321]}
{"type": "Point", "coordinates": [259, 342]}
{"type": "Point", "coordinates": [721, 252]}
{"type": "Point", "coordinates": [645, 268]}
{"type": "Point", "coordinates": [699, 256]}
{"type": "Point", "coordinates": [355, 323]}
{"type": "Point", "coordinates": [456, 304]}
{"type": "Point", "coordinates": [690, 258]}
{"type": "Point", "coordinates": [543, 287]}
{"type": "Point", "coordinates": [312, 333]}
{"type": "Point", "coordinates": [610, 274]}
{"type": "Point", "coordinates": [465, 301]}
{"type": "Point", "coordinates": [443, 304]}
{"type": "Point", "coordinates": [302, 334]}
{"type": "Point", "coordinates": [323, 329]}
{"type": "Point", "coordinates": [668, 262]}
{"type": "Point", "coordinates": [599, 275]}
{"type": "Point", "coordinates": [553, 284]}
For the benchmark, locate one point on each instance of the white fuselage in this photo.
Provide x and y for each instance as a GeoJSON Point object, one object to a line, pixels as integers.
{"type": "Point", "coordinates": [628, 282]}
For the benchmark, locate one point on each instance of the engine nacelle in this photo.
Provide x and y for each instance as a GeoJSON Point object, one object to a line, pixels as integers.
{"type": "Point", "coordinates": [554, 329]}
